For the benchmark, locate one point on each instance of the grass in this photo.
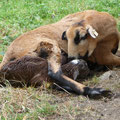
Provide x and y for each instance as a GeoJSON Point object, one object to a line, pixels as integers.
{"type": "Point", "coordinates": [28, 102]}
{"type": "Point", "coordinates": [92, 81]}
{"type": "Point", "coordinates": [19, 16]}
{"type": "Point", "coordinates": [32, 104]}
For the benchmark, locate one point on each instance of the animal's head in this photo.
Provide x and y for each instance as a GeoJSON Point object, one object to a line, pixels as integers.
{"type": "Point", "coordinates": [81, 40]}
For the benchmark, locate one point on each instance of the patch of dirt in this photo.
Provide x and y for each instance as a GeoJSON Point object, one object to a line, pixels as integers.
{"type": "Point", "coordinates": [83, 108]}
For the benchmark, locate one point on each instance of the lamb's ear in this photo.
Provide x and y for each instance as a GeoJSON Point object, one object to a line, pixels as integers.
{"type": "Point", "coordinates": [64, 37]}
{"type": "Point", "coordinates": [91, 31]}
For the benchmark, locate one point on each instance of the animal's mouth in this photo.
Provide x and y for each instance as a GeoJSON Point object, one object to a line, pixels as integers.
{"type": "Point", "coordinates": [85, 57]}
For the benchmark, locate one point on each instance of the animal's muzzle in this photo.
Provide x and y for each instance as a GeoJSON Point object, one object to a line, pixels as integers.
{"type": "Point", "coordinates": [84, 57]}
{"type": "Point", "coordinates": [80, 57]}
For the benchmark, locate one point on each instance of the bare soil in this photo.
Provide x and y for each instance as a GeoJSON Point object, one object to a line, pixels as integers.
{"type": "Point", "coordinates": [83, 108]}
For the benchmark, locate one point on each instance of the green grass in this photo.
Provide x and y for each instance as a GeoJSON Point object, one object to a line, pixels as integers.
{"type": "Point", "coordinates": [16, 16]}
{"type": "Point", "coordinates": [92, 81]}
{"type": "Point", "coordinates": [19, 16]}
{"type": "Point", "coordinates": [19, 103]}
{"type": "Point", "coordinates": [32, 104]}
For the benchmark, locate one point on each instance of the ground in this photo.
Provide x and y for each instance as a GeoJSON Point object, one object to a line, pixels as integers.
{"type": "Point", "coordinates": [49, 104]}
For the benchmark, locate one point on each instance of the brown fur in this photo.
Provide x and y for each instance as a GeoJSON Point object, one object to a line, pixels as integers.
{"type": "Point", "coordinates": [48, 38]}
{"type": "Point", "coordinates": [33, 71]}
{"type": "Point", "coordinates": [102, 22]}
{"type": "Point", "coordinates": [26, 71]}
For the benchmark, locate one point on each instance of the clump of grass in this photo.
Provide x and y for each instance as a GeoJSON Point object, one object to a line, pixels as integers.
{"type": "Point", "coordinates": [46, 109]}
{"type": "Point", "coordinates": [92, 82]}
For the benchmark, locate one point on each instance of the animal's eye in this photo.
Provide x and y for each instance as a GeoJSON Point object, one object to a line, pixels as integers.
{"type": "Point", "coordinates": [77, 38]}
{"type": "Point", "coordinates": [84, 37]}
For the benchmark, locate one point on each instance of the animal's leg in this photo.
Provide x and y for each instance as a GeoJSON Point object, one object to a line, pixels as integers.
{"type": "Point", "coordinates": [112, 59]}
{"type": "Point", "coordinates": [75, 86]}
{"type": "Point", "coordinates": [55, 72]}
{"type": "Point", "coordinates": [107, 58]}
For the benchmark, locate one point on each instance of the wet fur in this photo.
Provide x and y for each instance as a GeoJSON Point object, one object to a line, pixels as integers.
{"type": "Point", "coordinates": [33, 71]}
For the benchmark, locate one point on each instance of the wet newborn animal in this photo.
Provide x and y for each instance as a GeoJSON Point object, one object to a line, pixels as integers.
{"type": "Point", "coordinates": [33, 71]}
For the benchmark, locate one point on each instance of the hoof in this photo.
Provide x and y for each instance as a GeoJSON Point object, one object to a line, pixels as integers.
{"type": "Point", "coordinates": [97, 93]}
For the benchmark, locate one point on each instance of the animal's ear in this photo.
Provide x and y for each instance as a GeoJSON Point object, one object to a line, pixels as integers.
{"type": "Point", "coordinates": [64, 37]}
{"type": "Point", "coordinates": [91, 31]}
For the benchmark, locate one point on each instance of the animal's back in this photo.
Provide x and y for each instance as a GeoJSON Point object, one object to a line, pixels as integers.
{"type": "Point", "coordinates": [27, 43]}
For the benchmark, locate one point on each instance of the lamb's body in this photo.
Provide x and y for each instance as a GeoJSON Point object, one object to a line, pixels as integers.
{"type": "Point", "coordinates": [30, 70]}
